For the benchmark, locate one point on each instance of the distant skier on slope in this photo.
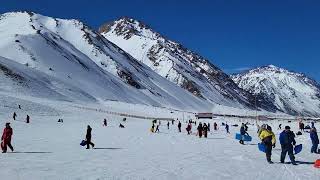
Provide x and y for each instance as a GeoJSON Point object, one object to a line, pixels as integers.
{"type": "Point", "coordinates": [14, 115]}
{"type": "Point", "coordinates": [314, 139]}
{"type": "Point", "coordinates": [200, 129]}
{"type": "Point", "coordinates": [227, 128]}
{"type": "Point", "coordinates": [6, 138]}
{"type": "Point", "coordinates": [105, 122]}
{"type": "Point", "coordinates": [88, 137]}
{"type": "Point", "coordinates": [179, 126]}
{"type": "Point", "coordinates": [205, 130]}
{"type": "Point", "coordinates": [269, 140]}
{"type": "Point", "coordinates": [287, 142]}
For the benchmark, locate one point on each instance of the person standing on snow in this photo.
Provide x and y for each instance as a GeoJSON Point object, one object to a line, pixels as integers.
{"type": "Point", "coordinates": [6, 138]}
{"type": "Point", "coordinates": [88, 137]}
{"type": "Point", "coordinates": [287, 142]}
{"type": "Point", "coordinates": [105, 122]}
{"type": "Point", "coordinates": [280, 126]}
{"type": "Point", "coordinates": [168, 124]}
{"type": "Point", "coordinates": [243, 132]}
{"type": "Point", "coordinates": [152, 128]}
{"type": "Point", "coordinates": [14, 115]}
{"type": "Point", "coordinates": [28, 119]}
{"type": "Point", "coordinates": [315, 140]}
{"type": "Point", "coordinates": [200, 129]}
{"type": "Point", "coordinates": [205, 130]}
{"type": "Point", "coordinates": [215, 126]}
{"type": "Point", "coordinates": [179, 126]}
{"type": "Point", "coordinates": [227, 128]}
{"type": "Point", "coordinates": [157, 129]}
{"type": "Point", "coordinates": [209, 127]}
{"type": "Point", "coordinates": [189, 128]}
{"type": "Point", "coordinates": [269, 140]}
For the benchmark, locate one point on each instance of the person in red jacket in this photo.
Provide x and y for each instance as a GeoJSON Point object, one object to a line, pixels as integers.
{"type": "Point", "coordinates": [6, 138]}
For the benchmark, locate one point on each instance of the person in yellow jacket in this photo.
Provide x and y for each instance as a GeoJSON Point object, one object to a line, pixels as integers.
{"type": "Point", "coordinates": [269, 140]}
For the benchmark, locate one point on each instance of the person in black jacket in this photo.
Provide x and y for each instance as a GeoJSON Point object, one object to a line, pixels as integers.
{"type": "Point", "coordinates": [205, 130]}
{"type": "Point", "coordinates": [287, 142]}
{"type": "Point", "coordinates": [179, 126]}
{"type": "Point", "coordinates": [88, 137]}
{"type": "Point", "coordinates": [315, 140]}
{"type": "Point", "coordinates": [200, 129]}
{"type": "Point", "coordinates": [243, 132]}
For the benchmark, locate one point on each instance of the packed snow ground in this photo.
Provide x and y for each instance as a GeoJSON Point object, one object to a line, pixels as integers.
{"type": "Point", "coordinates": [46, 149]}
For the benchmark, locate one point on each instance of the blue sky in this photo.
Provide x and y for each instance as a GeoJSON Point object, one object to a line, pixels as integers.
{"type": "Point", "coordinates": [233, 34]}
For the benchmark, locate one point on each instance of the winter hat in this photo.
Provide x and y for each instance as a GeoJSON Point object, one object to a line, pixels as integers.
{"type": "Point", "coordinates": [287, 127]}
{"type": "Point", "coordinates": [7, 123]}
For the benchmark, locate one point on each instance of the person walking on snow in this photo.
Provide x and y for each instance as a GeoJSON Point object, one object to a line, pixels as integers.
{"type": "Point", "coordinates": [287, 142]}
{"type": "Point", "coordinates": [105, 122]}
{"type": "Point", "coordinates": [209, 127]}
{"type": "Point", "coordinates": [227, 128]}
{"type": "Point", "coordinates": [268, 138]}
{"type": "Point", "coordinates": [280, 126]}
{"type": "Point", "coordinates": [243, 132]}
{"type": "Point", "coordinates": [205, 130]}
{"type": "Point", "coordinates": [314, 139]}
{"type": "Point", "coordinates": [200, 129]}
{"type": "Point", "coordinates": [215, 126]}
{"type": "Point", "coordinates": [189, 128]}
{"type": "Point", "coordinates": [6, 138]}
{"type": "Point", "coordinates": [157, 128]}
{"type": "Point", "coordinates": [28, 119]}
{"type": "Point", "coordinates": [179, 126]}
{"type": "Point", "coordinates": [168, 124]}
{"type": "Point", "coordinates": [88, 137]}
{"type": "Point", "coordinates": [14, 115]}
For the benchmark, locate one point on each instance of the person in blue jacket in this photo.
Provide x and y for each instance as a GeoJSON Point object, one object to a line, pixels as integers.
{"type": "Point", "coordinates": [287, 142]}
{"type": "Point", "coordinates": [243, 132]}
{"type": "Point", "coordinates": [314, 139]}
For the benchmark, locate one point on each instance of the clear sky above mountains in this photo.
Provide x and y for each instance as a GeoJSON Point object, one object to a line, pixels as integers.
{"type": "Point", "coordinates": [234, 34]}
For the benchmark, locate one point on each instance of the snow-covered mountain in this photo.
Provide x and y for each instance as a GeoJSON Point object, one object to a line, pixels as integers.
{"type": "Point", "coordinates": [291, 92]}
{"type": "Point", "coordinates": [178, 64]}
{"type": "Point", "coordinates": [65, 59]}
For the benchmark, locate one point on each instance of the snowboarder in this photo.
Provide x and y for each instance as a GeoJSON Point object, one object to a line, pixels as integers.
{"type": "Point", "coordinates": [14, 115]}
{"type": "Point", "coordinates": [200, 129]}
{"type": "Point", "coordinates": [315, 140]}
{"type": "Point", "coordinates": [269, 140]}
{"type": "Point", "coordinates": [179, 126]}
{"type": "Point", "coordinates": [280, 126]}
{"type": "Point", "coordinates": [105, 122]}
{"type": "Point", "coordinates": [205, 130]}
{"type": "Point", "coordinates": [157, 129]}
{"type": "Point", "coordinates": [243, 132]}
{"type": "Point", "coordinates": [227, 128]}
{"type": "Point", "coordinates": [28, 119]}
{"type": "Point", "coordinates": [215, 126]}
{"type": "Point", "coordinates": [88, 137]}
{"type": "Point", "coordinates": [6, 138]}
{"type": "Point", "coordinates": [287, 142]}
{"type": "Point", "coordinates": [168, 124]}
{"type": "Point", "coordinates": [189, 128]}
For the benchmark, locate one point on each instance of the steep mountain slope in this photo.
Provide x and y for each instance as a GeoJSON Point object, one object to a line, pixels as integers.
{"type": "Point", "coordinates": [176, 63]}
{"type": "Point", "coordinates": [291, 92]}
{"type": "Point", "coordinates": [82, 61]}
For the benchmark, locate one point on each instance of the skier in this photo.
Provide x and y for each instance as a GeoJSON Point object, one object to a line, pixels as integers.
{"type": "Point", "coordinates": [14, 115]}
{"type": "Point", "coordinates": [227, 128]}
{"type": "Point", "coordinates": [105, 122]}
{"type": "Point", "coordinates": [205, 130]}
{"type": "Point", "coordinates": [28, 119]}
{"type": "Point", "coordinates": [200, 129]}
{"type": "Point", "coordinates": [157, 129]}
{"type": "Point", "coordinates": [189, 128]}
{"type": "Point", "coordinates": [243, 132]}
{"type": "Point", "coordinates": [152, 128]}
{"type": "Point", "coordinates": [287, 142]}
{"type": "Point", "coordinates": [88, 137]}
{"type": "Point", "coordinates": [315, 140]}
{"type": "Point", "coordinates": [168, 124]}
{"type": "Point", "coordinates": [280, 126]}
{"type": "Point", "coordinates": [179, 126]}
{"type": "Point", "coordinates": [215, 126]}
{"type": "Point", "coordinates": [269, 140]}
{"type": "Point", "coordinates": [6, 138]}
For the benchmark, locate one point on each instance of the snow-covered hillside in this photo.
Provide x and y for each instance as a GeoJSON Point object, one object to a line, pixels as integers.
{"type": "Point", "coordinates": [291, 92]}
{"type": "Point", "coordinates": [178, 64]}
{"type": "Point", "coordinates": [66, 59]}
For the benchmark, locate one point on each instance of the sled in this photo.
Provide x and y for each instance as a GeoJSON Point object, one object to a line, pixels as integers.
{"type": "Point", "coordinates": [317, 163]}
{"type": "Point", "coordinates": [262, 147]}
{"type": "Point", "coordinates": [245, 138]}
{"type": "Point", "coordinates": [83, 143]}
{"type": "Point", "coordinates": [297, 149]}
